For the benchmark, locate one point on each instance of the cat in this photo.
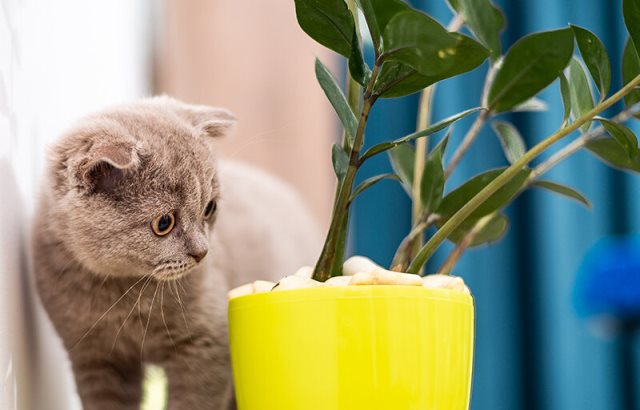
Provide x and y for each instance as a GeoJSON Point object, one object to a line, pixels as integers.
{"type": "Point", "coordinates": [139, 234]}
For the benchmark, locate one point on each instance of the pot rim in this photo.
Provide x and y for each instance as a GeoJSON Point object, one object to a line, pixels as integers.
{"type": "Point", "coordinates": [351, 292]}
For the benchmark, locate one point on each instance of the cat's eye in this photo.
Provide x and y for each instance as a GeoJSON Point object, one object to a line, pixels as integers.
{"type": "Point", "coordinates": [210, 209]}
{"type": "Point", "coordinates": [163, 224]}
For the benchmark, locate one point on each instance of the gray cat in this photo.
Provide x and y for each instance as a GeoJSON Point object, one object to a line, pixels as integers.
{"type": "Point", "coordinates": [127, 261]}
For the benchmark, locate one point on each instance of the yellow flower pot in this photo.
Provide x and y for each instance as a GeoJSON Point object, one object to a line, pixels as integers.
{"type": "Point", "coordinates": [351, 348]}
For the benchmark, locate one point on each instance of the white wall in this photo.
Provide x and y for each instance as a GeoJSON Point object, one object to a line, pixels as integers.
{"type": "Point", "coordinates": [58, 60]}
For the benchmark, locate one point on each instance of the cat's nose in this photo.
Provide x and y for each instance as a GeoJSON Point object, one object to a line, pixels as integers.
{"type": "Point", "coordinates": [198, 255]}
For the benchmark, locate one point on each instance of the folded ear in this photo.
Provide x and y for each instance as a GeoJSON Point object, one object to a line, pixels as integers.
{"type": "Point", "coordinates": [217, 122]}
{"type": "Point", "coordinates": [211, 121]}
{"type": "Point", "coordinates": [103, 166]}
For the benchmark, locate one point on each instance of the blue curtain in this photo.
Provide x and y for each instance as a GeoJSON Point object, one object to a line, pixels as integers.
{"type": "Point", "coordinates": [533, 351]}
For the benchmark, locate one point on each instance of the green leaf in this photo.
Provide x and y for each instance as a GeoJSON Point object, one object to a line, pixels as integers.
{"type": "Point", "coordinates": [402, 160]}
{"type": "Point", "coordinates": [337, 99]}
{"type": "Point", "coordinates": [397, 80]}
{"type": "Point", "coordinates": [510, 139]}
{"type": "Point", "coordinates": [377, 14]}
{"type": "Point", "coordinates": [369, 182]}
{"type": "Point", "coordinates": [357, 67]}
{"type": "Point", "coordinates": [457, 198]}
{"type": "Point", "coordinates": [531, 64]}
{"type": "Point", "coordinates": [382, 147]}
{"type": "Point", "coordinates": [442, 145]}
{"type": "Point", "coordinates": [595, 57]}
{"type": "Point", "coordinates": [623, 135]}
{"type": "Point", "coordinates": [419, 41]}
{"type": "Point", "coordinates": [630, 69]}
{"type": "Point", "coordinates": [485, 20]}
{"type": "Point", "coordinates": [565, 91]}
{"type": "Point", "coordinates": [614, 154]}
{"type": "Point", "coordinates": [340, 161]}
{"type": "Point", "coordinates": [562, 190]}
{"type": "Point", "coordinates": [329, 22]}
{"type": "Point", "coordinates": [631, 13]}
{"type": "Point", "coordinates": [432, 181]}
{"type": "Point", "coordinates": [493, 231]}
{"type": "Point", "coordinates": [531, 105]}
{"type": "Point", "coordinates": [581, 97]}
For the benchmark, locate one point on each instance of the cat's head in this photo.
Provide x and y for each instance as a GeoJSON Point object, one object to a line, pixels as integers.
{"type": "Point", "coordinates": [134, 189]}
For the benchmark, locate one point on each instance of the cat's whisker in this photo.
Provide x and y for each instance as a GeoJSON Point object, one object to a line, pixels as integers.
{"type": "Point", "coordinates": [260, 137]}
{"type": "Point", "coordinates": [106, 278]}
{"type": "Point", "coordinates": [182, 286]}
{"type": "Point", "coordinates": [175, 287]}
{"type": "Point", "coordinates": [105, 314]}
{"type": "Point", "coordinates": [144, 335]}
{"type": "Point", "coordinates": [63, 270]}
{"type": "Point", "coordinates": [136, 303]}
{"type": "Point", "coordinates": [273, 136]}
{"type": "Point", "coordinates": [163, 319]}
{"type": "Point", "coordinates": [184, 316]}
{"type": "Point", "coordinates": [171, 290]}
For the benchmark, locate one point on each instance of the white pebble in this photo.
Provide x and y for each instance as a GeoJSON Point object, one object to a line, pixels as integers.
{"type": "Point", "coordinates": [385, 277]}
{"type": "Point", "coordinates": [262, 286]}
{"type": "Point", "coordinates": [357, 264]}
{"type": "Point", "coordinates": [338, 281]}
{"type": "Point", "coordinates": [445, 282]}
{"type": "Point", "coordinates": [240, 291]}
{"type": "Point", "coordinates": [296, 282]}
{"type": "Point", "coordinates": [304, 272]}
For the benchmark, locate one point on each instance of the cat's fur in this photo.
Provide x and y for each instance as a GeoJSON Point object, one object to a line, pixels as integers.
{"type": "Point", "coordinates": [108, 178]}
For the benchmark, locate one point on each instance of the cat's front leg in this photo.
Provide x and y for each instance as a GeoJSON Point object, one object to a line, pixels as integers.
{"type": "Point", "coordinates": [105, 384]}
{"type": "Point", "coordinates": [199, 375]}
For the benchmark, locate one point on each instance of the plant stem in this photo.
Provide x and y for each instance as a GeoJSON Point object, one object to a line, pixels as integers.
{"type": "Point", "coordinates": [572, 148]}
{"type": "Point", "coordinates": [580, 142]}
{"type": "Point", "coordinates": [434, 242]}
{"type": "Point", "coordinates": [456, 23]}
{"type": "Point", "coordinates": [462, 246]}
{"type": "Point", "coordinates": [354, 92]}
{"type": "Point", "coordinates": [414, 241]}
{"type": "Point", "coordinates": [334, 242]}
{"type": "Point", "coordinates": [403, 254]}
{"type": "Point", "coordinates": [424, 118]}
{"type": "Point", "coordinates": [477, 125]}
{"type": "Point", "coordinates": [467, 141]}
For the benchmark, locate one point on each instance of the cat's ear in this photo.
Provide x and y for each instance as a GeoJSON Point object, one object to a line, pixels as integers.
{"type": "Point", "coordinates": [216, 122]}
{"type": "Point", "coordinates": [104, 165]}
{"type": "Point", "coordinates": [210, 121]}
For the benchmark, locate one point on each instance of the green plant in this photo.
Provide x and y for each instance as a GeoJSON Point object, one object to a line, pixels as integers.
{"type": "Point", "coordinates": [412, 53]}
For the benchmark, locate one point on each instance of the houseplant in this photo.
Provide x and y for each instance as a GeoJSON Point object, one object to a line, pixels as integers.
{"type": "Point", "coordinates": [347, 346]}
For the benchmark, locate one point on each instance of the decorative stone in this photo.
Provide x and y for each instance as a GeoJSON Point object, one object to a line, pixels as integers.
{"type": "Point", "coordinates": [304, 272]}
{"type": "Point", "coordinates": [240, 291]}
{"type": "Point", "coordinates": [357, 264]}
{"type": "Point", "coordinates": [445, 282]}
{"type": "Point", "coordinates": [385, 277]}
{"type": "Point", "coordinates": [358, 271]}
{"type": "Point", "coordinates": [262, 286]}
{"type": "Point", "coordinates": [296, 282]}
{"type": "Point", "coordinates": [338, 281]}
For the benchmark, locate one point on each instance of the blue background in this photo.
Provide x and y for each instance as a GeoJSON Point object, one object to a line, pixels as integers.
{"type": "Point", "coordinates": [533, 351]}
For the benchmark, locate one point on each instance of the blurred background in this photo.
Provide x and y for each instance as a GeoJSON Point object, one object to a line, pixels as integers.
{"type": "Point", "coordinates": [60, 60]}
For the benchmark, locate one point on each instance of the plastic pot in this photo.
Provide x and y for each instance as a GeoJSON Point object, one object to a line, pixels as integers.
{"type": "Point", "coordinates": [354, 347]}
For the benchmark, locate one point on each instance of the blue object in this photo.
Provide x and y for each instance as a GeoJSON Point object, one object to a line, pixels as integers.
{"type": "Point", "coordinates": [608, 281]}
